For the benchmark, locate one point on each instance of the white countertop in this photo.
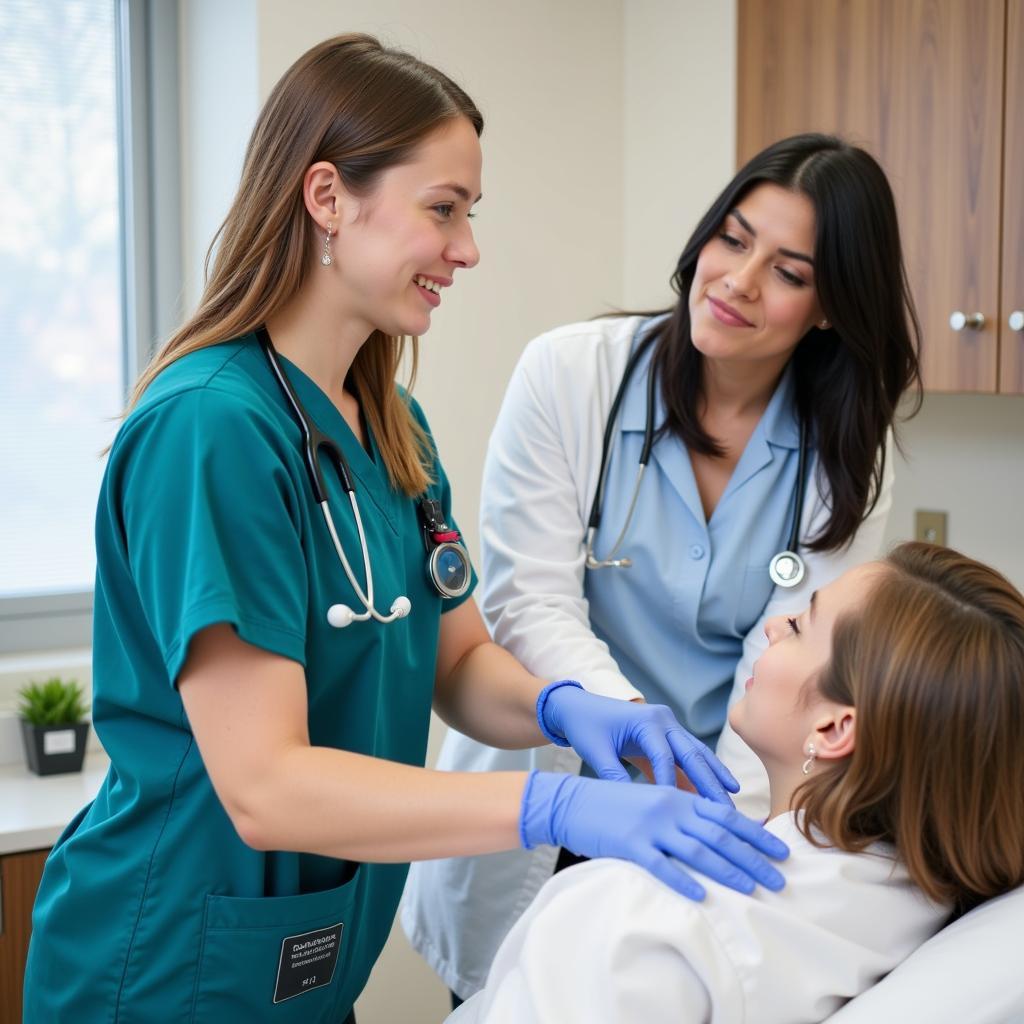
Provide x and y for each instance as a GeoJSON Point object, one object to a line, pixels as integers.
{"type": "Point", "coordinates": [35, 808]}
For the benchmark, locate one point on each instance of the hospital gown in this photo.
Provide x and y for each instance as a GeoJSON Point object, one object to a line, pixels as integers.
{"type": "Point", "coordinates": [606, 943]}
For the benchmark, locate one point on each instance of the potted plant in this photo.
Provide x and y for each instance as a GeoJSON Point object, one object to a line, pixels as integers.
{"type": "Point", "coordinates": [52, 726]}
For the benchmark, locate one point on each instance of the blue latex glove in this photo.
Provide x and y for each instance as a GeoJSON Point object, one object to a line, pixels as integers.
{"type": "Point", "coordinates": [603, 731]}
{"type": "Point", "coordinates": [653, 826]}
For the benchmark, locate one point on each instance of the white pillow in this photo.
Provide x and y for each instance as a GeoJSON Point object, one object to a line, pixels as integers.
{"type": "Point", "coordinates": [971, 971]}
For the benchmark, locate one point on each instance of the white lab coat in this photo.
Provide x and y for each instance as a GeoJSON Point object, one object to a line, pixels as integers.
{"type": "Point", "coordinates": [539, 481]}
{"type": "Point", "coordinates": [606, 943]}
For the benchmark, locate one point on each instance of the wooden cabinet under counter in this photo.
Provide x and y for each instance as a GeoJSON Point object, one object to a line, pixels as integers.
{"type": "Point", "coordinates": [19, 879]}
{"type": "Point", "coordinates": [33, 813]}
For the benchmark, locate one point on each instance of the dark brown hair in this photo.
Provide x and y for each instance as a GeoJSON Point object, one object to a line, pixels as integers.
{"type": "Point", "coordinates": [849, 378]}
{"type": "Point", "coordinates": [364, 108]}
{"type": "Point", "coordinates": [934, 665]}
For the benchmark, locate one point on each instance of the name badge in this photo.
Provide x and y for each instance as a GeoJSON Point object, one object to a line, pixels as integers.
{"type": "Point", "coordinates": [307, 962]}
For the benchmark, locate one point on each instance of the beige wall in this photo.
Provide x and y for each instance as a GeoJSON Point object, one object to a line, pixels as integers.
{"type": "Point", "coordinates": [964, 454]}
{"type": "Point", "coordinates": [680, 109]}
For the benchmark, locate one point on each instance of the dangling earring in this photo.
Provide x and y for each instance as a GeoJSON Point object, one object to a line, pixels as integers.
{"type": "Point", "coordinates": [824, 325]}
{"type": "Point", "coordinates": [325, 259]}
{"type": "Point", "coordinates": [809, 763]}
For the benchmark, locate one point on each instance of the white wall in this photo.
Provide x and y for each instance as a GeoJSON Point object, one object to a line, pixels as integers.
{"type": "Point", "coordinates": [219, 101]}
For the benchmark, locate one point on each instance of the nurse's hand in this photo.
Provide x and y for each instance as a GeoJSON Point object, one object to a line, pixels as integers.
{"type": "Point", "coordinates": [603, 731]}
{"type": "Point", "coordinates": [654, 826]}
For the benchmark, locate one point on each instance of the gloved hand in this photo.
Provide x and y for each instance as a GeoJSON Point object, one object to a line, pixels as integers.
{"type": "Point", "coordinates": [603, 730]}
{"type": "Point", "coordinates": [653, 826]}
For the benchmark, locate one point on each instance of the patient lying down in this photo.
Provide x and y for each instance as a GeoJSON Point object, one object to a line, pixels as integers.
{"type": "Point", "coordinates": [890, 718]}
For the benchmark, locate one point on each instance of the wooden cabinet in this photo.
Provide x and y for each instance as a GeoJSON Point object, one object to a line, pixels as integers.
{"type": "Point", "coordinates": [1011, 366]}
{"type": "Point", "coordinates": [19, 879]}
{"type": "Point", "coordinates": [935, 90]}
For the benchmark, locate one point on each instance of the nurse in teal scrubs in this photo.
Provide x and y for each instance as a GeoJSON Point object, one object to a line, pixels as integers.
{"type": "Point", "coordinates": [245, 855]}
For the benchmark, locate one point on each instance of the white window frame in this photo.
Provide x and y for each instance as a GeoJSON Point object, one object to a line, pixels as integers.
{"type": "Point", "coordinates": [146, 39]}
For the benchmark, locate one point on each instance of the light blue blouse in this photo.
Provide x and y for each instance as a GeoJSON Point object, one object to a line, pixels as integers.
{"type": "Point", "coordinates": [675, 621]}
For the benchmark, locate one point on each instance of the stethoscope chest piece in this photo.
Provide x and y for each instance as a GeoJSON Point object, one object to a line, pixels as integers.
{"type": "Point", "coordinates": [786, 569]}
{"type": "Point", "coordinates": [448, 561]}
{"type": "Point", "coordinates": [448, 567]}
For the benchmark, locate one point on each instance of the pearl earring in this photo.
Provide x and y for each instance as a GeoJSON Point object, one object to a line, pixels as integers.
{"type": "Point", "coordinates": [824, 325]}
{"type": "Point", "coordinates": [809, 763]}
{"type": "Point", "coordinates": [325, 258]}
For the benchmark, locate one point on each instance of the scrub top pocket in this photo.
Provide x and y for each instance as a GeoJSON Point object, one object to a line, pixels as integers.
{"type": "Point", "coordinates": [279, 958]}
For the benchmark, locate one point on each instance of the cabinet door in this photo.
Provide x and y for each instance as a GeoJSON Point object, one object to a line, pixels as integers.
{"type": "Point", "coordinates": [19, 879]}
{"type": "Point", "coordinates": [919, 83]}
{"type": "Point", "coordinates": [1011, 372]}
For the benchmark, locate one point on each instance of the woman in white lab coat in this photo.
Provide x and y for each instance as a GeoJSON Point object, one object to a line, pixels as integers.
{"type": "Point", "coordinates": [888, 715]}
{"type": "Point", "coordinates": [772, 387]}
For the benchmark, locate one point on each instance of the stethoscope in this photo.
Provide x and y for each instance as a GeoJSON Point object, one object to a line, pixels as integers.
{"type": "Point", "coordinates": [448, 565]}
{"type": "Point", "coordinates": [786, 569]}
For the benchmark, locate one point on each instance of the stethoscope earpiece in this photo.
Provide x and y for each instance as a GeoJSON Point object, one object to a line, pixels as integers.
{"type": "Point", "coordinates": [340, 616]}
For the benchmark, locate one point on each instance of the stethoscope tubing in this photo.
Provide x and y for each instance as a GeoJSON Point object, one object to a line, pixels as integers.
{"type": "Point", "coordinates": [801, 485]}
{"type": "Point", "coordinates": [597, 506]}
{"type": "Point", "coordinates": [313, 442]}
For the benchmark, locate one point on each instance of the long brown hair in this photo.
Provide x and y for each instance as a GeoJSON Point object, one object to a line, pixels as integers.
{"type": "Point", "coordinates": [363, 108]}
{"type": "Point", "coordinates": [849, 378]}
{"type": "Point", "coordinates": [934, 665]}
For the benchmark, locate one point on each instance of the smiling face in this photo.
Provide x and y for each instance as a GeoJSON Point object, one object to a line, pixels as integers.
{"type": "Point", "coordinates": [782, 711]}
{"type": "Point", "coordinates": [753, 295]}
{"type": "Point", "coordinates": [396, 250]}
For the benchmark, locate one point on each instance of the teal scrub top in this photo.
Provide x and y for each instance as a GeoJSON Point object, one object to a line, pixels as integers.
{"type": "Point", "coordinates": [151, 908]}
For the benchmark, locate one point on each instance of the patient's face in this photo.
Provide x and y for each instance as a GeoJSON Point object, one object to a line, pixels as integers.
{"type": "Point", "coordinates": [777, 713]}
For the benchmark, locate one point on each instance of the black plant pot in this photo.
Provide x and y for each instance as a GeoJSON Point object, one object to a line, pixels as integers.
{"type": "Point", "coordinates": [53, 749]}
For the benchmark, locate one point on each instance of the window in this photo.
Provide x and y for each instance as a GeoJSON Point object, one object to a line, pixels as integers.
{"type": "Point", "coordinates": [76, 286]}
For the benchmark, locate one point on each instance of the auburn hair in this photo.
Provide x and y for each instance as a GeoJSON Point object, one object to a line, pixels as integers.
{"type": "Point", "coordinates": [364, 108]}
{"type": "Point", "coordinates": [934, 664]}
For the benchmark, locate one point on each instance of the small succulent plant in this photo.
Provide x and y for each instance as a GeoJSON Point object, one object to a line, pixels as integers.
{"type": "Point", "coordinates": [54, 702]}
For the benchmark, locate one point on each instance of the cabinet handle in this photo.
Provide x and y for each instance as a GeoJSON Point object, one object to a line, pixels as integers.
{"type": "Point", "coordinates": [975, 321]}
{"type": "Point", "coordinates": [1015, 320]}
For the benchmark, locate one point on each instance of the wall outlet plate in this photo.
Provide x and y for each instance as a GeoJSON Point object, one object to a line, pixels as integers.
{"type": "Point", "coordinates": [930, 526]}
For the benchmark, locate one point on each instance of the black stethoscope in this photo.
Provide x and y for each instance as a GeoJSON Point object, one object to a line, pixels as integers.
{"type": "Point", "coordinates": [786, 569]}
{"type": "Point", "coordinates": [448, 564]}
